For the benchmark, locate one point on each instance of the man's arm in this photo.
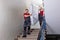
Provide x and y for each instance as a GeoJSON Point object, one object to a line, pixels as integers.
{"type": "Point", "coordinates": [43, 13]}
{"type": "Point", "coordinates": [30, 14]}
{"type": "Point", "coordinates": [27, 15]}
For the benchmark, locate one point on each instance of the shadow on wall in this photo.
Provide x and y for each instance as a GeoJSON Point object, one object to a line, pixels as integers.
{"type": "Point", "coordinates": [17, 17]}
{"type": "Point", "coordinates": [49, 29]}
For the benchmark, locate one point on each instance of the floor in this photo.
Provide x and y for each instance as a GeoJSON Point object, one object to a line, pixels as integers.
{"type": "Point", "coordinates": [33, 36]}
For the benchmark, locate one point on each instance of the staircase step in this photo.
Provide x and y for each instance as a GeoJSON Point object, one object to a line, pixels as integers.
{"type": "Point", "coordinates": [32, 36]}
{"type": "Point", "coordinates": [27, 39]}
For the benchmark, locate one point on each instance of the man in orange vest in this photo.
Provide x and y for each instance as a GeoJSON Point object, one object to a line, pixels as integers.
{"type": "Point", "coordinates": [27, 23]}
{"type": "Point", "coordinates": [40, 15]}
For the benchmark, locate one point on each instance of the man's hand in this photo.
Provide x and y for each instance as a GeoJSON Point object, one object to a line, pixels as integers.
{"type": "Point", "coordinates": [26, 15]}
{"type": "Point", "coordinates": [30, 15]}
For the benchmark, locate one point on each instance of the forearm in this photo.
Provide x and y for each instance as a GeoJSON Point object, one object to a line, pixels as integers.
{"type": "Point", "coordinates": [30, 15]}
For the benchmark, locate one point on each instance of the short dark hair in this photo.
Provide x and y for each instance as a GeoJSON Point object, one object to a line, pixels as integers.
{"type": "Point", "coordinates": [26, 9]}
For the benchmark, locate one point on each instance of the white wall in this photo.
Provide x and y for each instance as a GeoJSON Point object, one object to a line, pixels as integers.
{"type": "Point", "coordinates": [11, 18]}
{"type": "Point", "coordinates": [52, 13]}
{"type": "Point", "coordinates": [28, 3]}
{"type": "Point", "coordinates": [36, 4]}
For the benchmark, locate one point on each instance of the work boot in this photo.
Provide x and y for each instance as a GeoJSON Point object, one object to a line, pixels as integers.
{"type": "Point", "coordinates": [24, 36]}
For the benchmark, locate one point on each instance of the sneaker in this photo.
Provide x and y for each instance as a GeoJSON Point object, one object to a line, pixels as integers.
{"type": "Point", "coordinates": [28, 33]}
{"type": "Point", "coordinates": [24, 36]}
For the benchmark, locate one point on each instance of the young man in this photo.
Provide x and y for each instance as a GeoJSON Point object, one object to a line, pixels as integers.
{"type": "Point", "coordinates": [40, 18]}
{"type": "Point", "coordinates": [27, 23]}
{"type": "Point", "coordinates": [40, 15]}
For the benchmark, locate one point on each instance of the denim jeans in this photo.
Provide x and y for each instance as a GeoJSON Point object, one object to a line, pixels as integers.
{"type": "Point", "coordinates": [27, 24]}
{"type": "Point", "coordinates": [40, 18]}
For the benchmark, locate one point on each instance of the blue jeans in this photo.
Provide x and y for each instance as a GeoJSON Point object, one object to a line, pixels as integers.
{"type": "Point", "coordinates": [40, 18]}
{"type": "Point", "coordinates": [27, 24]}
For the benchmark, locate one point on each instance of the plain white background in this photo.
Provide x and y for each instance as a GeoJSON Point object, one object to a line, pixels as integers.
{"type": "Point", "coordinates": [11, 18]}
{"type": "Point", "coordinates": [52, 13]}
